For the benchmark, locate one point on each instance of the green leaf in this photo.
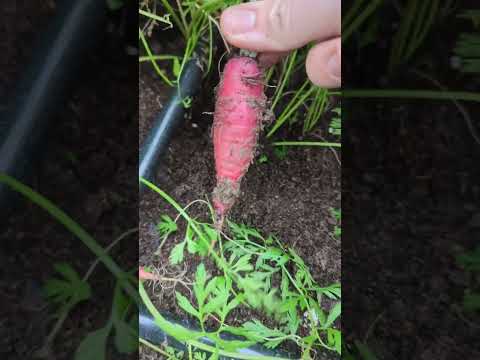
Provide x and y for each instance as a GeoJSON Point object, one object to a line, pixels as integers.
{"type": "Point", "coordinates": [272, 344]}
{"type": "Point", "coordinates": [126, 340]}
{"type": "Point", "coordinates": [192, 246]}
{"type": "Point", "coordinates": [200, 356]}
{"type": "Point", "coordinates": [293, 322]}
{"type": "Point", "coordinates": [209, 235]}
{"type": "Point", "coordinates": [93, 347]}
{"type": "Point", "coordinates": [212, 284]}
{"type": "Point", "coordinates": [263, 159]}
{"type": "Point", "coordinates": [120, 305]}
{"type": "Point", "coordinates": [199, 286]}
{"type": "Point", "coordinates": [256, 330]}
{"type": "Point", "coordinates": [215, 303]}
{"type": "Point", "coordinates": [251, 288]}
{"type": "Point", "coordinates": [317, 313]}
{"type": "Point", "coordinates": [183, 302]}
{"type": "Point", "coordinates": [243, 231]}
{"type": "Point", "coordinates": [214, 356]}
{"type": "Point", "coordinates": [284, 286]}
{"type": "Point", "coordinates": [333, 291]}
{"type": "Point", "coordinates": [176, 255]}
{"type": "Point", "coordinates": [297, 258]}
{"type": "Point", "coordinates": [223, 313]}
{"type": "Point", "coordinates": [271, 303]}
{"type": "Point", "coordinates": [290, 305]}
{"type": "Point", "coordinates": [166, 226]}
{"type": "Point", "coordinates": [300, 276]}
{"type": "Point", "coordinates": [67, 271]}
{"type": "Point", "coordinates": [243, 264]}
{"type": "Point", "coordinates": [201, 276]}
{"type": "Point", "coordinates": [471, 302]}
{"type": "Point", "coordinates": [333, 315]}
{"type": "Point", "coordinates": [71, 289]}
{"type": "Point", "coordinates": [280, 152]}
{"type": "Point", "coordinates": [334, 338]}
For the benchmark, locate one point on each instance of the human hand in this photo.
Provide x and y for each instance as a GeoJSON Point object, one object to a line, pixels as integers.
{"type": "Point", "coordinates": [275, 27]}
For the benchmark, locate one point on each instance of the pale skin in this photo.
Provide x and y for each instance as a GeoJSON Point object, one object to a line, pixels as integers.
{"type": "Point", "coordinates": [273, 28]}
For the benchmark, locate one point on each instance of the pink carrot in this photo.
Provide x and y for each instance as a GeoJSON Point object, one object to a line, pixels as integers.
{"type": "Point", "coordinates": [238, 114]}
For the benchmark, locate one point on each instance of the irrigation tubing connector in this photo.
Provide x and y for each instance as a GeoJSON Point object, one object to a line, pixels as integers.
{"type": "Point", "coordinates": [170, 117]}
{"type": "Point", "coordinates": [43, 87]}
{"type": "Point", "coordinates": [151, 332]}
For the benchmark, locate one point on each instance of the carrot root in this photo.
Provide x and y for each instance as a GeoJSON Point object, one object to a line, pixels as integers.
{"type": "Point", "coordinates": [238, 117]}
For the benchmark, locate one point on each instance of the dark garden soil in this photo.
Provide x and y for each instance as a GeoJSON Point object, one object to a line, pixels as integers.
{"type": "Point", "coordinates": [289, 197]}
{"type": "Point", "coordinates": [411, 204]}
{"type": "Point", "coordinates": [89, 170]}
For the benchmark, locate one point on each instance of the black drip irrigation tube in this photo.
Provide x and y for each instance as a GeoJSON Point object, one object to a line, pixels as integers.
{"type": "Point", "coordinates": [44, 86]}
{"type": "Point", "coordinates": [169, 119]}
{"type": "Point", "coordinates": [150, 331]}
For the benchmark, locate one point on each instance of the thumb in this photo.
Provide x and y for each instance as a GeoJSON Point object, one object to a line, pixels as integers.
{"type": "Point", "coordinates": [281, 25]}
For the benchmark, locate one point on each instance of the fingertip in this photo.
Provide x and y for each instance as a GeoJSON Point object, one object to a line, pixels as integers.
{"type": "Point", "coordinates": [237, 25]}
{"type": "Point", "coordinates": [323, 64]}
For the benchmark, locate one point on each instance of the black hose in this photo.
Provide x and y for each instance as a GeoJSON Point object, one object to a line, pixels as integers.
{"type": "Point", "coordinates": [171, 116]}
{"type": "Point", "coordinates": [150, 331]}
{"type": "Point", "coordinates": [43, 87]}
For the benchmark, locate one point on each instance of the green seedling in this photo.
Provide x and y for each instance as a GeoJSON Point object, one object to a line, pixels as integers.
{"type": "Point", "coordinates": [263, 159]}
{"type": "Point", "coordinates": [68, 290]}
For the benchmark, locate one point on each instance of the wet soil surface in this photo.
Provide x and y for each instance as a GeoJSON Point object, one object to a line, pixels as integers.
{"type": "Point", "coordinates": [88, 169]}
{"type": "Point", "coordinates": [290, 197]}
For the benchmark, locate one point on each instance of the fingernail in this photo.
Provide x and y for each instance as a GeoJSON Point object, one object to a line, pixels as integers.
{"type": "Point", "coordinates": [239, 21]}
{"type": "Point", "coordinates": [334, 67]}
